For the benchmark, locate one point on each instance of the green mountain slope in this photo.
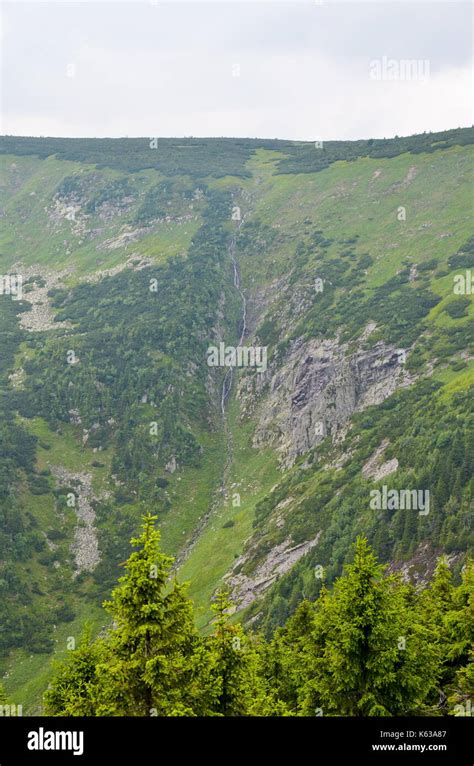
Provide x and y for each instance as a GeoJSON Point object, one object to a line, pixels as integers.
{"type": "Point", "coordinates": [350, 260]}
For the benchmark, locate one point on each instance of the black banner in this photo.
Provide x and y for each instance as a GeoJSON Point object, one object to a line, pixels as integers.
{"type": "Point", "coordinates": [325, 740]}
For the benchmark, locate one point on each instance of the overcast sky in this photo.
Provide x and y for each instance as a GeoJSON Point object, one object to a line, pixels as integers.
{"type": "Point", "coordinates": [297, 70]}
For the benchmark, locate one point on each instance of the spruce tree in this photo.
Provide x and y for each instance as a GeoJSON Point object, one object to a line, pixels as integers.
{"type": "Point", "coordinates": [286, 657]}
{"type": "Point", "coordinates": [370, 654]}
{"type": "Point", "coordinates": [434, 603]}
{"type": "Point", "coordinates": [73, 689]}
{"type": "Point", "coordinates": [233, 663]}
{"type": "Point", "coordinates": [459, 647]}
{"type": "Point", "coordinates": [151, 665]}
{"type": "Point", "coordinates": [151, 662]}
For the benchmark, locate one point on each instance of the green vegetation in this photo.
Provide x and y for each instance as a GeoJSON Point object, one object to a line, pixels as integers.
{"type": "Point", "coordinates": [372, 646]}
{"type": "Point", "coordinates": [221, 157]}
{"type": "Point", "coordinates": [125, 252]}
{"type": "Point", "coordinates": [434, 448]}
{"type": "Point", "coordinates": [309, 158]}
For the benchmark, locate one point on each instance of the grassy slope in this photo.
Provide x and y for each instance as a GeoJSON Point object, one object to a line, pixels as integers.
{"type": "Point", "coordinates": [251, 475]}
{"type": "Point", "coordinates": [26, 675]}
{"type": "Point", "coordinates": [29, 235]}
{"type": "Point", "coordinates": [336, 200]}
{"type": "Point", "coordinates": [347, 199]}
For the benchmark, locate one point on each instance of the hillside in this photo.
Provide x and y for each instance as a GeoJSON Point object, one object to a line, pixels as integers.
{"type": "Point", "coordinates": [349, 263]}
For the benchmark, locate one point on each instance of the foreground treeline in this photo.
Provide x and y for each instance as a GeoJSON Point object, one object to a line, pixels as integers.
{"type": "Point", "coordinates": [373, 645]}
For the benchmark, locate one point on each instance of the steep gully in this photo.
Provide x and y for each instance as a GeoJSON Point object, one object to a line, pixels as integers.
{"type": "Point", "coordinates": [229, 376]}
{"type": "Point", "coordinates": [220, 493]}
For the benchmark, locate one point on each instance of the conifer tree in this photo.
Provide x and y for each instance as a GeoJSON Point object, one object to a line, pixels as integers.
{"type": "Point", "coordinates": [461, 699]}
{"type": "Point", "coordinates": [286, 657]}
{"type": "Point", "coordinates": [459, 624]}
{"type": "Point", "coordinates": [370, 654]}
{"type": "Point", "coordinates": [73, 688]}
{"type": "Point", "coordinates": [370, 646]}
{"type": "Point", "coordinates": [150, 667]}
{"type": "Point", "coordinates": [233, 661]}
{"type": "Point", "coordinates": [434, 603]}
{"type": "Point", "coordinates": [151, 662]}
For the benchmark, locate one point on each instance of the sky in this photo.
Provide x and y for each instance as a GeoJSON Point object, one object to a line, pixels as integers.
{"type": "Point", "coordinates": [304, 70]}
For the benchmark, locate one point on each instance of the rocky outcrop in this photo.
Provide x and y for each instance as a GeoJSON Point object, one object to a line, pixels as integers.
{"type": "Point", "coordinates": [17, 378]}
{"type": "Point", "coordinates": [40, 316]}
{"type": "Point", "coordinates": [245, 589]}
{"type": "Point", "coordinates": [127, 235]}
{"type": "Point", "coordinates": [171, 465]}
{"type": "Point", "coordinates": [314, 392]}
{"type": "Point", "coordinates": [85, 547]}
{"type": "Point", "coordinates": [420, 567]}
{"type": "Point", "coordinates": [376, 468]}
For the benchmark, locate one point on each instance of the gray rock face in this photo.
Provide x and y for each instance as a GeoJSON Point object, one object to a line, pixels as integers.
{"type": "Point", "coordinates": [376, 468]}
{"type": "Point", "coordinates": [171, 465]}
{"type": "Point", "coordinates": [40, 316]}
{"type": "Point", "coordinates": [281, 558]}
{"type": "Point", "coordinates": [85, 546]}
{"type": "Point", "coordinates": [316, 390]}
